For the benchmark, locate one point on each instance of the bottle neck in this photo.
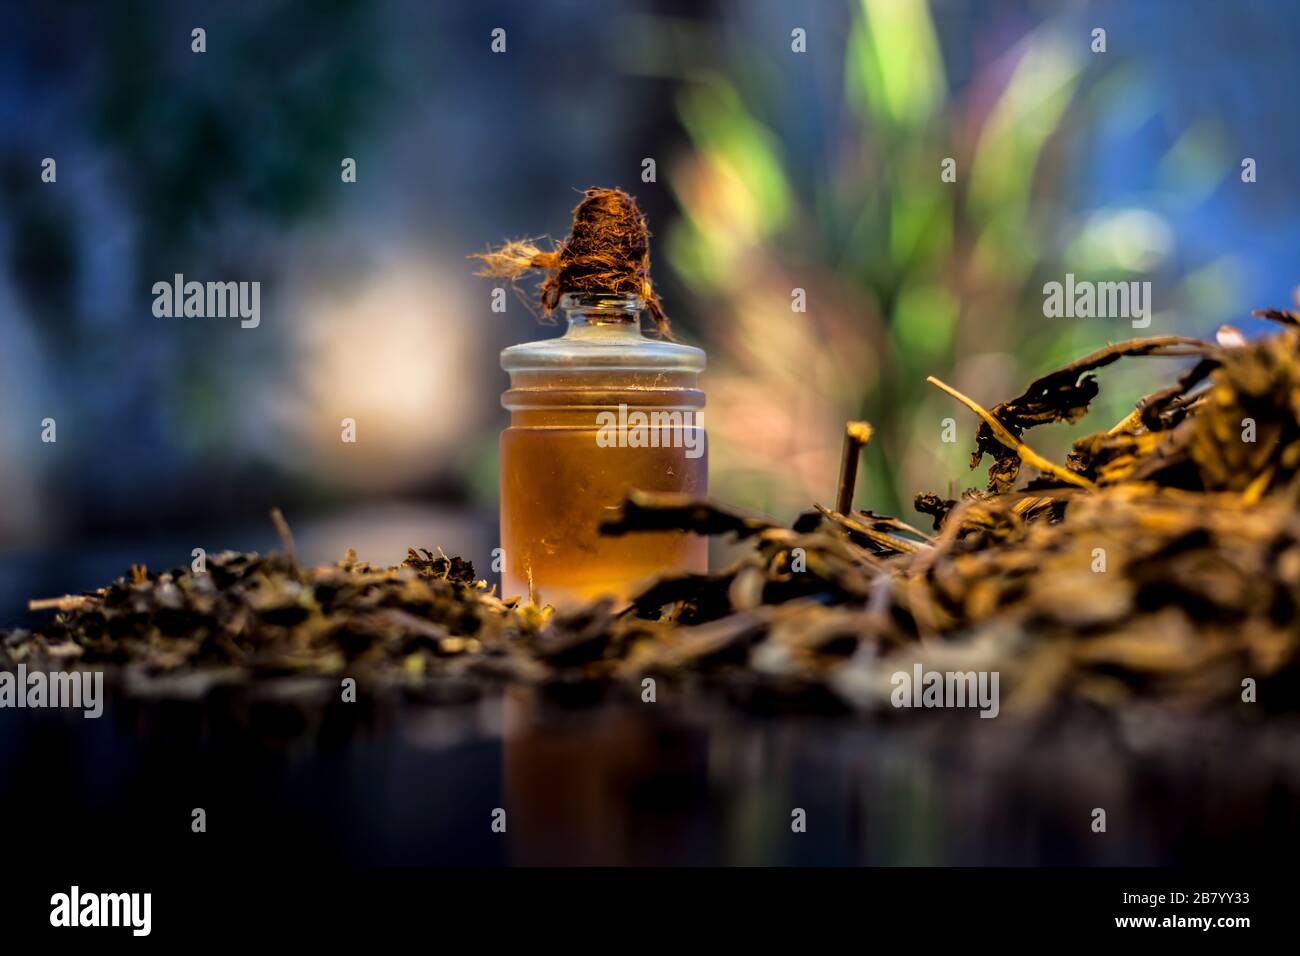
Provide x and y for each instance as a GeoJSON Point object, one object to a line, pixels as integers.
{"type": "Point", "coordinates": [602, 312]}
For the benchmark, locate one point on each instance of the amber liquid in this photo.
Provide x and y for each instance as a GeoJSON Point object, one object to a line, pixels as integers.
{"type": "Point", "coordinates": [558, 484]}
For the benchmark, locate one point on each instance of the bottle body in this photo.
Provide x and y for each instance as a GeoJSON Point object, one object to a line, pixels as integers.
{"type": "Point", "coordinates": [595, 414]}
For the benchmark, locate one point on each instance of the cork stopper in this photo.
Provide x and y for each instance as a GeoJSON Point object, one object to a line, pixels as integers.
{"type": "Point", "coordinates": [607, 253]}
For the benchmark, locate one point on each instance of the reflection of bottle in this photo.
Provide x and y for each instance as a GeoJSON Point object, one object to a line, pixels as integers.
{"type": "Point", "coordinates": [595, 413]}
{"type": "Point", "coordinates": [607, 786]}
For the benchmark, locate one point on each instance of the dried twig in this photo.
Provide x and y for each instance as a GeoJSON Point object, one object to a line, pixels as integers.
{"type": "Point", "coordinates": [856, 436]}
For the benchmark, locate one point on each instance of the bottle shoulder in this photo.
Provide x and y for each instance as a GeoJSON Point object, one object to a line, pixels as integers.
{"type": "Point", "coordinates": [599, 346]}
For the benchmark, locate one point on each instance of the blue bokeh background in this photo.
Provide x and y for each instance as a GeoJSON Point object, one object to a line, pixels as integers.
{"type": "Point", "coordinates": [775, 170]}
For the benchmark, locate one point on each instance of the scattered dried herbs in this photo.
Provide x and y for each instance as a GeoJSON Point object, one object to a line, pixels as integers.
{"type": "Point", "coordinates": [1160, 562]}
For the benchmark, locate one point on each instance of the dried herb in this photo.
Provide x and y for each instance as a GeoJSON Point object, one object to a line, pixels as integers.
{"type": "Point", "coordinates": [1062, 395]}
{"type": "Point", "coordinates": [263, 615]}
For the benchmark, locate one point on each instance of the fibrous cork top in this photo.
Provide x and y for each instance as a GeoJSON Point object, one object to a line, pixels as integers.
{"type": "Point", "coordinates": [607, 252]}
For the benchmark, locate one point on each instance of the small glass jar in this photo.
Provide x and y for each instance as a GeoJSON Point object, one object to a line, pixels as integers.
{"type": "Point", "coordinates": [595, 413]}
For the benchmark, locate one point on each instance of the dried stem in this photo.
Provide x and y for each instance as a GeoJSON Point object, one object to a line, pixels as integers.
{"type": "Point", "coordinates": [286, 538]}
{"type": "Point", "coordinates": [856, 436]}
{"type": "Point", "coordinates": [69, 602]}
{"type": "Point", "coordinates": [849, 523]}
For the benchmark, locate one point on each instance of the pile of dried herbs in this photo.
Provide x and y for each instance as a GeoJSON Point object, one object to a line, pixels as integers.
{"type": "Point", "coordinates": [1160, 562]}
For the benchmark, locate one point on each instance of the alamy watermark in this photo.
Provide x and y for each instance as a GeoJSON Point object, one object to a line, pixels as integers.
{"type": "Point", "coordinates": [211, 300]}
{"type": "Point", "coordinates": [954, 689]}
{"type": "Point", "coordinates": [654, 429]}
{"type": "Point", "coordinates": [75, 908]}
{"type": "Point", "coordinates": [1084, 299]}
{"type": "Point", "coordinates": [82, 690]}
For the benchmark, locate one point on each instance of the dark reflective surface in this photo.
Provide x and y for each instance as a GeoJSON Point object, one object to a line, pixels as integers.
{"type": "Point", "coordinates": [288, 771]}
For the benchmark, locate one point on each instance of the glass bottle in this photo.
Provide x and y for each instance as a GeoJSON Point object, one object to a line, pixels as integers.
{"type": "Point", "coordinates": [593, 413]}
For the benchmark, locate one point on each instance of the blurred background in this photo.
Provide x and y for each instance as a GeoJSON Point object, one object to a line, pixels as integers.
{"type": "Point", "coordinates": [775, 170]}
